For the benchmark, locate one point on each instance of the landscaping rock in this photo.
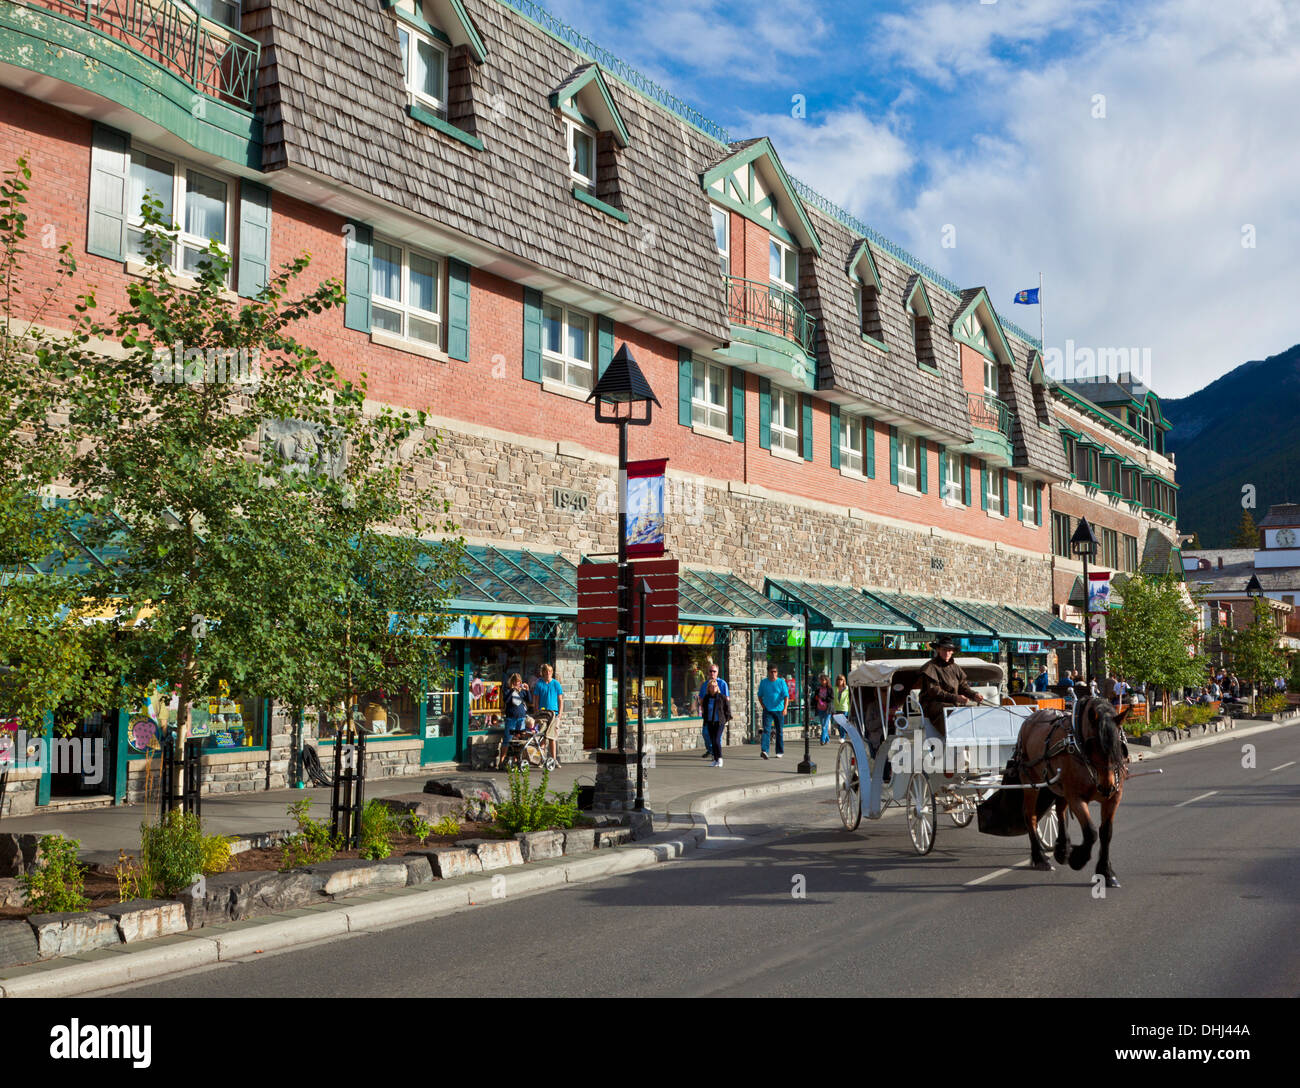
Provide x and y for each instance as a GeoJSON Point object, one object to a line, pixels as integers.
{"type": "Point", "coordinates": [612, 836]}
{"type": "Point", "coordinates": [464, 787]}
{"type": "Point", "coordinates": [232, 897]}
{"type": "Point", "coordinates": [579, 840]}
{"type": "Point", "coordinates": [17, 943]}
{"type": "Point", "coordinates": [433, 807]}
{"type": "Point", "coordinates": [418, 870]}
{"type": "Point", "coordinates": [536, 845]}
{"type": "Point", "coordinates": [144, 919]}
{"type": "Point", "coordinates": [11, 892]}
{"type": "Point", "coordinates": [449, 861]}
{"type": "Point", "coordinates": [494, 853]}
{"type": "Point", "coordinates": [18, 853]}
{"type": "Point", "coordinates": [67, 933]}
{"type": "Point", "coordinates": [348, 876]}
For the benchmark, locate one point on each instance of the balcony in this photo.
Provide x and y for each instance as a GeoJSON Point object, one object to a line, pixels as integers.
{"type": "Point", "coordinates": [213, 59]}
{"type": "Point", "coordinates": [770, 309]}
{"type": "Point", "coordinates": [989, 413]}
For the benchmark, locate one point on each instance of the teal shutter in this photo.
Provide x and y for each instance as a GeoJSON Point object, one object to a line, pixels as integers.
{"type": "Point", "coordinates": [922, 465]}
{"type": "Point", "coordinates": [764, 413]}
{"type": "Point", "coordinates": [604, 343]}
{"type": "Point", "coordinates": [458, 310]}
{"type": "Point", "coordinates": [737, 404]}
{"type": "Point", "coordinates": [1038, 504]}
{"type": "Point", "coordinates": [965, 479]}
{"type": "Point", "coordinates": [984, 486]}
{"type": "Point", "coordinates": [943, 471]}
{"type": "Point", "coordinates": [835, 436]}
{"type": "Point", "coordinates": [356, 311]}
{"type": "Point", "coordinates": [685, 384]}
{"type": "Point", "coordinates": [254, 269]}
{"type": "Point", "coordinates": [805, 403]}
{"type": "Point", "coordinates": [1020, 498]}
{"type": "Point", "coordinates": [869, 446]}
{"type": "Point", "coordinates": [110, 168]}
{"type": "Point", "coordinates": [532, 335]}
{"type": "Point", "coordinates": [893, 456]}
{"type": "Point", "coordinates": [1005, 496]}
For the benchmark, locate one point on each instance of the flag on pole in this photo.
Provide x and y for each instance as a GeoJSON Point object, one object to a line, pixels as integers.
{"type": "Point", "coordinates": [1027, 298]}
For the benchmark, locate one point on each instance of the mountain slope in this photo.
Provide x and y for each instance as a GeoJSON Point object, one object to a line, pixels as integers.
{"type": "Point", "coordinates": [1243, 428]}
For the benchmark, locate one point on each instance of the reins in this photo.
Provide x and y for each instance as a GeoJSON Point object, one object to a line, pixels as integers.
{"type": "Point", "coordinates": [1071, 744]}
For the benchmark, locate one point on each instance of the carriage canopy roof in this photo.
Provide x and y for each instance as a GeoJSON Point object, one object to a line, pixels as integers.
{"type": "Point", "coordinates": [878, 673]}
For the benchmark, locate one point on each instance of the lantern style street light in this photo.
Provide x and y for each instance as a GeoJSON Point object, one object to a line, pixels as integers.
{"type": "Point", "coordinates": [1084, 544]}
{"type": "Point", "coordinates": [624, 398]}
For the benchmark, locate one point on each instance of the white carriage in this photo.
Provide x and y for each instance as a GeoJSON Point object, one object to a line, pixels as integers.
{"type": "Point", "coordinates": [894, 755]}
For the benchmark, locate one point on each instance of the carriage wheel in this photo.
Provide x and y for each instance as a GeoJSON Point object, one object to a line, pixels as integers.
{"type": "Point", "coordinates": [848, 788]}
{"type": "Point", "coordinates": [964, 810]}
{"type": "Point", "coordinates": [921, 813]}
{"type": "Point", "coordinates": [1049, 827]}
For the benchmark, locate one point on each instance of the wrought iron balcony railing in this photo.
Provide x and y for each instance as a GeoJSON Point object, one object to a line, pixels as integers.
{"type": "Point", "coordinates": [990, 413]}
{"type": "Point", "coordinates": [211, 58]}
{"type": "Point", "coordinates": [773, 309]}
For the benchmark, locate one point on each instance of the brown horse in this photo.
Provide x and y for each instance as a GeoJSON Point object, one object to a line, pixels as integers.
{"type": "Point", "coordinates": [1084, 760]}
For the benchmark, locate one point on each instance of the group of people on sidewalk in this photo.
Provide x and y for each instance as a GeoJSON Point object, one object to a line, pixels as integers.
{"type": "Point", "coordinates": [522, 708]}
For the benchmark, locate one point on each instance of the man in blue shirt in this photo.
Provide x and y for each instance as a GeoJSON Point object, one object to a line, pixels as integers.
{"type": "Point", "coordinates": [1040, 681]}
{"type": "Point", "coordinates": [704, 688]}
{"type": "Point", "coordinates": [773, 694]}
{"type": "Point", "coordinates": [548, 695]}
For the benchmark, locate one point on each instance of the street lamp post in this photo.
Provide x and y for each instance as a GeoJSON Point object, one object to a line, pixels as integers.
{"type": "Point", "coordinates": [1254, 591]}
{"type": "Point", "coordinates": [1084, 544]}
{"type": "Point", "coordinates": [617, 394]}
{"type": "Point", "coordinates": [807, 766]}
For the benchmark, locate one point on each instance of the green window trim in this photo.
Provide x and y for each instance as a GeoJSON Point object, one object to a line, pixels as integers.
{"type": "Point", "coordinates": [427, 117]}
{"type": "Point", "coordinates": [1020, 499]}
{"type": "Point", "coordinates": [253, 271]}
{"type": "Point", "coordinates": [585, 197]}
{"type": "Point", "coordinates": [1038, 505]}
{"type": "Point", "coordinates": [604, 343]}
{"type": "Point", "coordinates": [360, 243]}
{"type": "Point", "coordinates": [869, 446]}
{"type": "Point", "coordinates": [532, 335]}
{"type": "Point", "coordinates": [966, 497]}
{"type": "Point", "coordinates": [984, 487]}
{"type": "Point", "coordinates": [1006, 510]}
{"type": "Point", "coordinates": [922, 466]}
{"type": "Point", "coordinates": [110, 168]}
{"type": "Point", "coordinates": [879, 345]}
{"type": "Point", "coordinates": [685, 386]}
{"type": "Point", "coordinates": [893, 456]}
{"type": "Point", "coordinates": [764, 413]}
{"type": "Point", "coordinates": [458, 310]}
{"type": "Point", "coordinates": [835, 436]}
{"type": "Point", "coordinates": [806, 424]}
{"type": "Point", "coordinates": [737, 404]}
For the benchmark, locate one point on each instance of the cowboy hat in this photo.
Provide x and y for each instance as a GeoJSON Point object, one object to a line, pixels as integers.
{"type": "Point", "coordinates": [944, 642]}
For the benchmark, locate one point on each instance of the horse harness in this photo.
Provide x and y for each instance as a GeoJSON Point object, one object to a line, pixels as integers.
{"type": "Point", "coordinates": [1070, 744]}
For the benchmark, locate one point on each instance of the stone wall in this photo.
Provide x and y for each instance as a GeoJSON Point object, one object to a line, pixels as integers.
{"type": "Point", "coordinates": [20, 794]}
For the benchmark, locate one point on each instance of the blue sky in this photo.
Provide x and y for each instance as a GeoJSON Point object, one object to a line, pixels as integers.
{"type": "Point", "coordinates": [1165, 214]}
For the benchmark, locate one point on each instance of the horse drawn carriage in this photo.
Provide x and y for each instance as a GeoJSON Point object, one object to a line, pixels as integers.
{"type": "Point", "coordinates": [895, 755]}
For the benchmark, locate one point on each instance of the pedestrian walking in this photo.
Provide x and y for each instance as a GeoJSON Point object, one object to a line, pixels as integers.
{"type": "Point", "coordinates": [823, 702]}
{"type": "Point", "coordinates": [514, 705]}
{"type": "Point", "coordinates": [773, 696]}
{"type": "Point", "coordinates": [549, 695]}
{"type": "Point", "coordinates": [723, 689]}
{"type": "Point", "coordinates": [842, 706]}
{"type": "Point", "coordinates": [716, 708]}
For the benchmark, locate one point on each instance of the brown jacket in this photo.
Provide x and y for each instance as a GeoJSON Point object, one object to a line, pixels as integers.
{"type": "Point", "coordinates": [940, 686]}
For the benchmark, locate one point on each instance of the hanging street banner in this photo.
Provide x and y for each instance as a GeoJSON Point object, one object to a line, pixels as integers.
{"type": "Point", "coordinates": [644, 497]}
{"type": "Point", "coordinates": [1097, 625]}
{"type": "Point", "coordinates": [1098, 591]}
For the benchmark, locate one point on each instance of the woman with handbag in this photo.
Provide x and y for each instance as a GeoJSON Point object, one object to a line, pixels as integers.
{"type": "Point", "coordinates": [715, 708]}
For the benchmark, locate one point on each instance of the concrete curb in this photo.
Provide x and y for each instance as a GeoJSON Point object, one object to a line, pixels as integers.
{"type": "Point", "coordinates": [1193, 743]}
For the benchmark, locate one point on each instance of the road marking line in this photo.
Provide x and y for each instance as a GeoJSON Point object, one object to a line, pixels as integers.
{"type": "Point", "coordinates": [1190, 800]}
{"type": "Point", "coordinates": [996, 872]}
{"type": "Point", "coordinates": [1282, 766]}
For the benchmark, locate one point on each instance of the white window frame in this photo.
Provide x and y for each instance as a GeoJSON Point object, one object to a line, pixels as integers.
{"type": "Point", "coordinates": [180, 238]}
{"type": "Point", "coordinates": [571, 365]}
{"type": "Point", "coordinates": [990, 377]}
{"type": "Point", "coordinates": [952, 489]}
{"type": "Point", "coordinates": [993, 486]}
{"type": "Point", "coordinates": [706, 412]}
{"type": "Point", "coordinates": [1027, 501]}
{"type": "Point", "coordinates": [439, 105]}
{"type": "Point", "coordinates": [403, 306]}
{"type": "Point", "coordinates": [908, 461]}
{"type": "Point", "coordinates": [857, 302]}
{"type": "Point", "coordinates": [785, 432]}
{"type": "Point", "coordinates": [724, 250]}
{"type": "Point", "coordinates": [786, 252]}
{"type": "Point", "coordinates": [852, 458]}
{"type": "Point", "coordinates": [570, 128]}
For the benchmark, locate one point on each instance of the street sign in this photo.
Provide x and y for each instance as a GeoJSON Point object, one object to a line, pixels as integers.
{"type": "Point", "coordinates": [598, 598]}
{"type": "Point", "coordinates": [661, 604]}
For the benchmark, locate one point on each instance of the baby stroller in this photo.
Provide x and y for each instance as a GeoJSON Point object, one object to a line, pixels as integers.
{"type": "Point", "coordinates": [527, 747]}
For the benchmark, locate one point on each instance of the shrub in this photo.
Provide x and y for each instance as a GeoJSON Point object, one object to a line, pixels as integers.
{"type": "Point", "coordinates": [1183, 716]}
{"type": "Point", "coordinates": [529, 810]}
{"type": "Point", "coordinates": [216, 854]}
{"type": "Point", "coordinates": [312, 844]}
{"type": "Point", "coordinates": [418, 827]}
{"type": "Point", "coordinates": [171, 854]}
{"type": "Point", "coordinates": [58, 882]}
{"type": "Point", "coordinates": [378, 826]}
{"type": "Point", "coordinates": [1271, 704]}
{"type": "Point", "coordinates": [448, 825]}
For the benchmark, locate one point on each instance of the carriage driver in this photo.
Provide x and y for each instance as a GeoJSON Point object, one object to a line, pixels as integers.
{"type": "Point", "coordinates": [944, 683]}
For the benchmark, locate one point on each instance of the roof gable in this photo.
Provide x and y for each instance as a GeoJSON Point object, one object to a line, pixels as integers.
{"type": "Point", "coordinates": [446, 17]}
{"type": "Point", "coordinates": [915, 287]}
{"type": "Point", "coordinates": [768, 197]}
{"type": "Point", "coordinates": [585, 97]}
{"type": "Point", "coordinates": [976, 324]}
{"type": "Point", "coordinates": [860, 261]}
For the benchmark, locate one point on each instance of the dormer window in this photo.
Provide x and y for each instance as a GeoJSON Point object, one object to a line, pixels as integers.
{"type": "Point", "coordinates": [866, 294]}
{"type": "Point", "coordinates": [722, 237]}
{"type": "Point", "coordinates": [920, 316]}
{"type": "Point", "coordinates": [990, 377]}
{"type": "Point", "coordinates": [582, 154]}
{"type": "Point", "coordinates": [424, 64]}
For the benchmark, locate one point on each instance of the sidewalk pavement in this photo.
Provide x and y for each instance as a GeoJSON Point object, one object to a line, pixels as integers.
{"type": "Point", "coordinates": [674, 786]}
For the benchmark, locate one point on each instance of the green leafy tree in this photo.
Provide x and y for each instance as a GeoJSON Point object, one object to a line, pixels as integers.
{"type": "Point", "coordinates": [255, 504]}
{"type": "Point", "coordinates": [1247, 535]}
{"type": "Point", "coordinates": [1253, 649]}
{"type": "Point", "coordinates": [1154, 636]}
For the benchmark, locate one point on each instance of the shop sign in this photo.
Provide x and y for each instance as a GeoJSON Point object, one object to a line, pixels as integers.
{"type": "Point", "coordinates": [821, 640]}
{"type": "Point", "coordinates": [688, 634]}
{"type": "Point", "coordinates": [875, 639]}
{"type": "Point", "coordinates": [514, 628]}
{"type": "Point", "coordinates": [979, 645]}
{"type": "Point", "coordinates": [1031, 647]}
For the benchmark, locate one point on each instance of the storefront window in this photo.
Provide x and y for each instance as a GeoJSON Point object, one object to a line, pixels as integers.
{"type": "Point", "coordinates": [673, 678]}
{"type": "Point", "coordinates": [386, 713]}
{"type": "Point", "coordinates": [490, 663]}
{"type": "Point", "coordinates": [440, 714]}
{"type": "Point", "coordinates": [223, 721]}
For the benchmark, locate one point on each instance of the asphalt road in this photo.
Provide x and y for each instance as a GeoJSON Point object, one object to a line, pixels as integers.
{"type": "Point", "coordinates": [1208, 854]}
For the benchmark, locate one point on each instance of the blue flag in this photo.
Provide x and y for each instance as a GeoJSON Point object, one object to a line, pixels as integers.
{"type": "Point", "coordinates": [1027, 298]}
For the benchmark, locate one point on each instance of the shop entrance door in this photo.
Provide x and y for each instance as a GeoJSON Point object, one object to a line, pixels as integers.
{"type": "Point", "coordinates": [593, 694]}
{"type": "Point", "coordinates": [81, 764]}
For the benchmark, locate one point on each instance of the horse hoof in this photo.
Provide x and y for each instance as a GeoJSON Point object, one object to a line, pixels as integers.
{"type": "Point", "coordinates": [1043, 866]}
{"type": "Point", "coordinates": [1078, 859]}
{"type": "Point", "coordinates": [1111, 882]}
{"type": "Point", "coordinates": [1060, 854]}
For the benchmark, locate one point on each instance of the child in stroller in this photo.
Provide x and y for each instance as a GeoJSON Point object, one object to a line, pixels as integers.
{"type": "Point", "coordinates": [528, 745]}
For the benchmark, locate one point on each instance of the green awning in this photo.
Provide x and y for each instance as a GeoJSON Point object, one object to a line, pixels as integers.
{"type": "Point", "coordinates": [724, 600]}
{"type": "Point", "coordinates": [836, 607]}
{"type": "Point", "coordinates": [931, 615]}
{"type": "Point", "coordinates": [514, 582]}
{"type": "Point", "coordinates": [1057, 629]}
{"type": "Point", "coordinates": [1004, 623]}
